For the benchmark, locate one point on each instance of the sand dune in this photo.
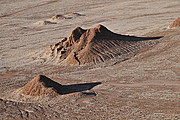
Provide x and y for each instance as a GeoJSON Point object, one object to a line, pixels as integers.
{"type": "Point", "coordinates": [42, 89]}
{"type": "Point", "coordinates": [96, 45]}
{"type": "Point", "coordinates": [40, 85]}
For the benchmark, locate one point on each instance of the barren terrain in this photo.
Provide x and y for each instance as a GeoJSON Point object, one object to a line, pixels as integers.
{"type": "Point", "coordinates": [141, 84]}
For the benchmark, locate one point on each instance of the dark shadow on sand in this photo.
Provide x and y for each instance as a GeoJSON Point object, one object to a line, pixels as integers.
{"type": "Point", "coordinates": [66, 89]}
{"type": "Point", "coordinates": [106, 34]}
{"type": "Point", "coordinates": [114, 36]}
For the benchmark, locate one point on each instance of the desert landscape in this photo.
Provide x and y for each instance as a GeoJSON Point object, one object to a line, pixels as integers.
{"type": "Point", "coordinates": [90, 60]}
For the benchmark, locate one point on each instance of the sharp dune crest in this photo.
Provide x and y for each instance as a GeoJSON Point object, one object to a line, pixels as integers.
{"type": "Point", "coordinates": [40, 85]}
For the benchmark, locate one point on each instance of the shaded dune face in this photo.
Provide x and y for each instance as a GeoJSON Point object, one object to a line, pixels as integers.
{"type": "Point", "coordinates": [176, 23]}
{"type": "Point", "coordinates": [94, 45]}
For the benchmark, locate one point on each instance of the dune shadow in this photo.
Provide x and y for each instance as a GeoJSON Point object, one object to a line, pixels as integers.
{"type": "Point", "coordinates": [66, 89]}
{"type": "Point", "coordinates": [148, 38]}
{"type": "Point", "coordinates": [108, 35]}
{"type": "Point", "coordinates": [53, 22]}
{"type": "Point", "coordinates": [42, 85]}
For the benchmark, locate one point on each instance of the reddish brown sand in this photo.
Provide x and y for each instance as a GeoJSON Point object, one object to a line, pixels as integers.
{"type": "Point", "coordinates": [40, 85]}
{"type": "Point", "coordinates": [95, 45]}
{"type": "Point", "coordinates": [176, 23]}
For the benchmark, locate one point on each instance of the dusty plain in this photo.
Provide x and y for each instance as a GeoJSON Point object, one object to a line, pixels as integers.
{"type": "Point", "coordinates": [144, 85]}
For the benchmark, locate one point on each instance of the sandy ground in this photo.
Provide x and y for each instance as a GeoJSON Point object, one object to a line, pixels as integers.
{"type": "Point", "coordinates": [146, 86]}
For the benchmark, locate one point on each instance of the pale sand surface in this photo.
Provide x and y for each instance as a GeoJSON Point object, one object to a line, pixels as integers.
{"type": "Point", "coordinates": [145, 87]}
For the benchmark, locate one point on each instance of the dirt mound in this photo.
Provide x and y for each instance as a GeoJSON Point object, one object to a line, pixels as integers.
{"type": "Point", "coordinates": [59, 17]}
{"type": "Point", "coordinates": [42, 89]}
{"type": "Point", "coordinates": [176, 23]}
{"type": "Point", "coordinates": [94, 45]}
{"type": "Point", "coordinates": [44, 22]}
{"type": "Point", "coordinates": [41, 85]}
{"type": "Point", "coordinates": [66, 16]}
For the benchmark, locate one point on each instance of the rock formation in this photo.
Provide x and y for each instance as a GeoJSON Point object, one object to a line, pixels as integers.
{"type": "Point", "coordinates": [93, 45]}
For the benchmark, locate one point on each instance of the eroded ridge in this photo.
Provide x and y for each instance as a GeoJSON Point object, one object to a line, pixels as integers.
{"type": "Point", "coordinates": [95, 45]}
